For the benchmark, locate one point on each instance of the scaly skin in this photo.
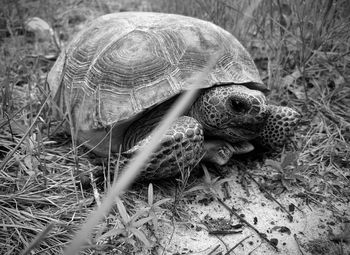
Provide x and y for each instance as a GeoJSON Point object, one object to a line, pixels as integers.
{"type": "Point", "coordinates": [180, 149]}
{"type": "Point", "coordinates": [219, 124]}
{"type": "Point", "coordinates": [279, 126]}
{"type": "Point", "coordinates": [233, 113]}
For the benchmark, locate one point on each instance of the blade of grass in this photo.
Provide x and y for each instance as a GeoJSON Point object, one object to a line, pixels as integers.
{"type": "Point", "coordinates": [10, 154]}
{"type": "Point", "coordinates": [38, 238]}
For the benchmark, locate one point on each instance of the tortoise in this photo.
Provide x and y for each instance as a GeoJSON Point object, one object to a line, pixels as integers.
{"type": "Point", "coordinates": [122, 72]}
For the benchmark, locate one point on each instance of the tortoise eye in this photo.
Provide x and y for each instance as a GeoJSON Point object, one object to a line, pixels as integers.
{"type": "Point", "coordinates": [238, 106]}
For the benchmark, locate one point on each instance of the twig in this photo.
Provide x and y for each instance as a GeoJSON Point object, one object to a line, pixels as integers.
{"type": "Point", "coordinates": [171, 236]}
{"type": "Point", "coordinates": [298, 244]}
{"type": "Point", "coordinates": [249, 253]}
{"type": "Point", "coordinates": [215, 248]}
{"type": "Point", "coordinates": [290, 217]}
{"type": "Point", "coordinates": [234, 247]}
{"type": "Point", "coordinates": [247, 223]}
{"type": "Point", "coordinates": [223, 233]}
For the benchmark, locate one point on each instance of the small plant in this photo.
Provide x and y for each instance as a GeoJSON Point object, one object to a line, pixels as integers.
{"type": "Point", "coordinates": [131, 226]}
{"type": "Point", "coordinates": [182, 184]}
{"type": "Point", "coordinates": [154, 207]}
{"type": "Point", "coordinates": [212, 186]}
{"type": "Point", "coordinates": [288, 169]}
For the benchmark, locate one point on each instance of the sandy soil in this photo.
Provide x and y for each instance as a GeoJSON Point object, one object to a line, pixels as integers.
{"type": "Point", "coordinates": [311, 228]}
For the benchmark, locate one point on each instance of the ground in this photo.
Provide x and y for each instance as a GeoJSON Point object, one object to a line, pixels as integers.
{"type": "Point", "coordinates": [294, 201]}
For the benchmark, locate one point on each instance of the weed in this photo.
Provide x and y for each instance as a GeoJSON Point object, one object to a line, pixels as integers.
{"type": "Point", "coordinates": [154, 207]}
{"type": "Point", "coordinates": [210, 186]}
{"type": "Point", "coordinates": [130, 227]}
{"type": "Point", "coordinates": [182, 183]}
{"type": "Point", "coordinates": [289, 172]}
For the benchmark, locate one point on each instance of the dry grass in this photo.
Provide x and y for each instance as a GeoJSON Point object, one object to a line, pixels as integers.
{"type": "Point", "coordinates": [301, 48]}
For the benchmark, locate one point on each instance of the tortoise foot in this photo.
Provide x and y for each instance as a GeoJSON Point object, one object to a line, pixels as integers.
{"type": "Point", "coordinates": [220, 151]}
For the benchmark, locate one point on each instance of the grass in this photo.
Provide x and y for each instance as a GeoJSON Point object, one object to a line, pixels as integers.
{"type": "Point", "coordinates": [301, 49]}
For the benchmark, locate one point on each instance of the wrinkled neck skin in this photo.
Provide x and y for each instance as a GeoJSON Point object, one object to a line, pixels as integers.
{"type": "Point", "coordinates": [233, 113]}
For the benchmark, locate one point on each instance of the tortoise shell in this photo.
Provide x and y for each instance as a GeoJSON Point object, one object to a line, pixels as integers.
{"type": "Point", "coordinates": [125, 63]}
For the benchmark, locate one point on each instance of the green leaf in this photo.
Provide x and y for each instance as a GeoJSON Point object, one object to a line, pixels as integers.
{"type": "Point", "coordinates": [138, 214]}
{"type": "Point", "coordinates": [141, 222]}
{"type": "Point", "coordinates": [154, 221]}
{"type": "Point", "coordinates": [289, 159]}
{"type": "Point", "coordinates": [141, 236]}
{"type": "Point", "coordinates": [112, 232]}
{"type": "Point", "coordinates": [207, 177]}
{"type": "Point", "coordinates": [150, 194]}
{"type": "Point", "coordinates": [122, 210]}
{"type": "Point", "coordinates": [196, 188]}
{"type": "Point", "coordinates": [274, 164]}
{"type": "Point", "coordinates": [160, 202]}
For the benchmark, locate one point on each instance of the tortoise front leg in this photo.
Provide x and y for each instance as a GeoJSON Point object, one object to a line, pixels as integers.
{"type": "Point", "coordinates": [180, 150]}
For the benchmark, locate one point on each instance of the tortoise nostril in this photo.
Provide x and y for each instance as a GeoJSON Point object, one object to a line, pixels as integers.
{"type": "Point", "coordinates": [239, 106]}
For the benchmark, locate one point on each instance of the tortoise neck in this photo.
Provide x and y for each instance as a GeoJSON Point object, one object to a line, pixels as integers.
{"type": "Point", "coordinates": [196, 112]}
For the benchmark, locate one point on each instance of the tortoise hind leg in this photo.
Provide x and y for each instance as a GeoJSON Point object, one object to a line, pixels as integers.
{"type": "Point", "coordinates": [180, 149]}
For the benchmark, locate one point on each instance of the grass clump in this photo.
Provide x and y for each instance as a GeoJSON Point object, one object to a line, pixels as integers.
{"type": "Point", "coordinates": [300, 47]}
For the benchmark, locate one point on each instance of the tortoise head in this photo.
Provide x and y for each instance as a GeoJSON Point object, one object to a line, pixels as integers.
{"type": "Point", "coordinates": [234, 113]}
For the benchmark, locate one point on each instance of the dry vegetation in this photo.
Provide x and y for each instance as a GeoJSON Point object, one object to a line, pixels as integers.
{"type": "Point", "coordinates": [302, 49]}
